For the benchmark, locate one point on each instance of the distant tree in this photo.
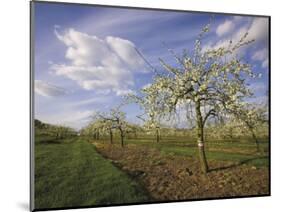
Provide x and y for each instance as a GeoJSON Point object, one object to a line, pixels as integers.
{"type": "Point", "coordinates": [133, 129]}
{"type": "Point", "coordinates": [108, 126]}
{"type": "Point", "coordinates": [95, 128]}
{"type": "Point", "coordinates": [149, 102]}
{"type": "Point", "coordinates": [105, 125]}
{"type": "Point", "coordinates": [252, 116]}
{"type": "Point", "coordinates": [62, 131]}
{"type": "Point", "coordinates": [114, 119]}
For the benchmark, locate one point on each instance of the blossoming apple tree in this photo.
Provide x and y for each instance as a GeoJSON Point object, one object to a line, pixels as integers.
{"type": "Point", "coordinates": [212, 81]}
{"type": "Point", "coordinates": [148, 100]}
{"type": "Point", "coordinates": [114, 119]}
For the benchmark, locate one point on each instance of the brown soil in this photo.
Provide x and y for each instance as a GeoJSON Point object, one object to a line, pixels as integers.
{"type": "Point", "coordinates": [170, 177]}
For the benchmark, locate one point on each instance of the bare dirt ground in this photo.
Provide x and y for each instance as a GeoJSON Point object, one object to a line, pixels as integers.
{"type": "Point", "coordinates": [170, 177]}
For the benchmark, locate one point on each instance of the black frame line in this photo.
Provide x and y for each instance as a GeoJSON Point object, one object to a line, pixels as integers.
{"type": "Point", "coordinates": [31, 106]}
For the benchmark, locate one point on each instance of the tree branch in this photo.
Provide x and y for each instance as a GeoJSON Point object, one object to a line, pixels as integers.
{"type": "Point", "coordinates": [169, 68]}
{"type": "Point", "coordinates": [211, 112]}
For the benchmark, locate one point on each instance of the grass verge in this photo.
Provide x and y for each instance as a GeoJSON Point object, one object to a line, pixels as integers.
{"type": "Point", "coordinates": [71, 173]}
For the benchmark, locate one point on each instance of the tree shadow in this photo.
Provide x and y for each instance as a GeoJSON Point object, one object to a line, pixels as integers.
{"type": "Point", "coordinates": [134, 175]}
{"type": "Point", "coordinates": [51, 141]}
{"type": "Point", "coordinates": [237, 164]}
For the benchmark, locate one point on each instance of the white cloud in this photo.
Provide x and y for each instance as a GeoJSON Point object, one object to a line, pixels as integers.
{"type": "Point", "coordinates": [257, 29]}
{"type": "Point", "coordinates": [70, 111]}
{"type": "Point", "coordinates": [258, 87]}
{"type": "Point", "coordinates": [262, 99]}
{"type": "Point", "coordinates": [124, 92]}
{"type": "Point", "coordinates": [235, 37]}
{"type": "Point", "coordinates": [225, 28]}
{"type": "Point", "coordinates": [46, 89]}
{"type": "Point", "coordinates": [104, 65]}
{"type": "Point", "coordinates": [262, 56]}
{"type": "Point", "coordinates": [125, 49]}
{"type": "Point", "coordinates": [99, 78]}
{"type": "Point", "coordinates": [93, 100]}
{"type": "Point", "coordinates": [264, 63]}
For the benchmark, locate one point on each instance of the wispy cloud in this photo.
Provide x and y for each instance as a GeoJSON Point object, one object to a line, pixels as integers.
{"type": "Point", "coordinates": [91, 101]}
{"type": "Point", "coordinates": [225, 28]}
{"type": "Point", "coordinates": [70, 111]}
{"type": "Point", "coordinates": [48, 90]}
{"type": "Point", "coordinates": [257, 30]}
{"type": "Point", "coordinates": [262, 56]}
{"type": "Point", "coordinates": [75, 118]}
{"type": "Point", "coordinates": [258, 87]}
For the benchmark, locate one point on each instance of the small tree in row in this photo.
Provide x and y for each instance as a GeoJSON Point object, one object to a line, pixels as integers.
{"type": "Point", "coordinates": [148, 100]}
{"type": "Point", "coordinates": [251, 117]}
{"type": "Point", "coordinates": [114, 119]}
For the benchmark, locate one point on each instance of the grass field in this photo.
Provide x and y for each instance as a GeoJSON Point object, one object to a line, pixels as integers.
{"type": "Point", "coordinates": [71, 173]}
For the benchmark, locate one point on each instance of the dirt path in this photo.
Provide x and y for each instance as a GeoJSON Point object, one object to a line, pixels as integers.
{"type": "Point", "coordinates": [170, 177]}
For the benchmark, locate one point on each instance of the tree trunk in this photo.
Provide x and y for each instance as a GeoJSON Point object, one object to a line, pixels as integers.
{"type": "Point", "coordinates": [122, 137]}
{"type": "Point", "coordinates": [98, 135]}
{"type": "Point", "coordinates": [157, 135]}
{"type": "Point", "coordinates": [256, 139]}
{"type": "Point", "coordinates": [200, 141]}
{"type": "Point", "coordinates": [111, 136]}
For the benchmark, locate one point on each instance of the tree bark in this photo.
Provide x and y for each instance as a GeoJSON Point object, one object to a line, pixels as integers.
{"type": "Point", "coordinates": [98, 135]}
{"type": "Point", "coordinates": [111, 136]}
{"type": "Point", "coordinates": [122, 137]}
{"type": "Point", "coordinates": [157, 135]}
{"type": "Point", "coordinates": [256, 139]}
{"type": "Point", "coordinates": [200, 141]}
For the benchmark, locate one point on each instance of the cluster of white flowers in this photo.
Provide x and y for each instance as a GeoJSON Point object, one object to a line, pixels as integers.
{"type": "Point", "coordinates": [205, 78]}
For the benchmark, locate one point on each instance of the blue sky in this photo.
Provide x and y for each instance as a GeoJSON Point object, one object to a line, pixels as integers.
{"type": "Point", "coordinates": [85, 59]}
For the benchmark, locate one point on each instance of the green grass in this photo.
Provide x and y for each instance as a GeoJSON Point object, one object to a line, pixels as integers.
{"type": "Point", "coordinates": [255, 160]}
{"type": "Point", "coordinates": [71, 173]}
{"type": "Point", "coordinates": [225, 150]}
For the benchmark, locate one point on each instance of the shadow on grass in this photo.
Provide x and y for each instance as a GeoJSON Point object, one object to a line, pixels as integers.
{"type": "Point", "coordinates": [238, 164]}
{"type": "Point", "coordinates": [50, 141]}
{"type": "Point", "coordinates": [134, 175]}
